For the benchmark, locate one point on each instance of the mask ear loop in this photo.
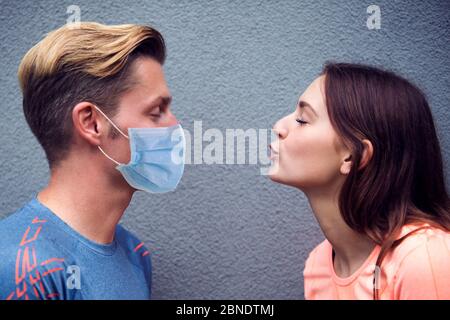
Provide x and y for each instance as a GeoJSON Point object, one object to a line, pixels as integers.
{"type": "Point", "coordinates": [118, 163]}
{"type": "Point", "coordinates": [110, 121]}
{"type": "Point", "coordinates": [117, 128]}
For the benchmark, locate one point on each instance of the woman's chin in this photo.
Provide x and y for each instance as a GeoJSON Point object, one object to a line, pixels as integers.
{"type": "Point", "coordinates": [274, 178]}
{"type": "Point", "coordinates": [273, 172]}
{"type": "Point", "coordinates": [278, 177]}
{"type": "Point", "coordinates": [275, 175]}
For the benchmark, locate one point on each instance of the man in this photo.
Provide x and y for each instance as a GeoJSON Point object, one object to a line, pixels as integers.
{"type": "Point", "coordinates": [96, 99]}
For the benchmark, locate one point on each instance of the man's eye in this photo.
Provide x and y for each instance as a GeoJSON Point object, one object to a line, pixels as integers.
{"type": "Point", "coordinates": [156, 113]}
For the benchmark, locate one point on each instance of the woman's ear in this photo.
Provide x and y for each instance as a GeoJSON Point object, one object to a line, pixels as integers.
{"type": "Point", "coordinates": [367, 153]}
{"type": "Point", "coordinates": [346, 165]}
{"type": "Point", "coordinates": [365, 158]}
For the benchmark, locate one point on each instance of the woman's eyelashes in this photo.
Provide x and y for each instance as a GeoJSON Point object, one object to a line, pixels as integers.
{"type": "Point", "coordinates": [301, 121]}
{"type": "Point", "coordinates": [299, 116]}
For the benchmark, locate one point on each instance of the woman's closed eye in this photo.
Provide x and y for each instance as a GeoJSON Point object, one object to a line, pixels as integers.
{"type": "Point", "coordinates": [301, 121]}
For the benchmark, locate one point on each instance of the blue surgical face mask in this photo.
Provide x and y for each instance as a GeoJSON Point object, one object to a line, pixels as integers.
{"type": "Point", "coordinates": [157, 157]}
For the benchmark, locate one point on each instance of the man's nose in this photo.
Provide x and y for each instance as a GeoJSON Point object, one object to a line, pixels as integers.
{"type": "Point", "coordinates": [171, 119]}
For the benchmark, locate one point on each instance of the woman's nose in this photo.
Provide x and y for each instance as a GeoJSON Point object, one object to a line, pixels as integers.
{"type": "Point", "coordinates": [280, 130]}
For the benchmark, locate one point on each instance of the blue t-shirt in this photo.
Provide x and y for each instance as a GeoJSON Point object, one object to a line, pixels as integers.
{"type": "Point", "coordinates": [41, 257]}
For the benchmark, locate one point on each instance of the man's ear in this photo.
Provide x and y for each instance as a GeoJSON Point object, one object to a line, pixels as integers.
{"type": "Point", "coordinates": [86, 123]}
{"type": "Point", "coordinates": [365, 158]}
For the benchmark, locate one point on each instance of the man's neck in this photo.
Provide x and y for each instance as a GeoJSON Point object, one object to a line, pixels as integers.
{"type": "Point", "coordinates": [88, 202]}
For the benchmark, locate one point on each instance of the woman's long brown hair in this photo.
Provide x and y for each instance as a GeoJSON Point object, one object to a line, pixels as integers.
{"type": "Point", "coordinates": [403, 183]}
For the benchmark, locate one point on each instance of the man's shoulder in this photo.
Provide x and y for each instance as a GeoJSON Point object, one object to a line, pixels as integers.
{"type": "Point", "coordinates": [33, 262]}
{"type": "Point", "coordinates": [129, 240]}
{"type": "Point", "coordinates": [16, 228]}
{"type": "Point", "coordinates": [135, 248]}
{"type": "Point", "coordinates": [14, 218]}
{"type": "Point", "coordinates": [30, 226]}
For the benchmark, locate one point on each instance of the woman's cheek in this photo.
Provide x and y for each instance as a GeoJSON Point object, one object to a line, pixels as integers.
{"type": "Point", "coordinates": [310, 159]}
{"type": "Point", "coordinates": [324, 158]}
{"type": "Point", "coordinates": [295, 160]}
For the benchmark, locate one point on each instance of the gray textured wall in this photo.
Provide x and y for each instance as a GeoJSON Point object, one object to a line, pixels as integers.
{"type": "Point", "coordinates": [228, 232]}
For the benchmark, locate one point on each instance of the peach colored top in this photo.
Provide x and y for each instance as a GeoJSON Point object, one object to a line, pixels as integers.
{"type": "Point", "coordinates": [419, 268]}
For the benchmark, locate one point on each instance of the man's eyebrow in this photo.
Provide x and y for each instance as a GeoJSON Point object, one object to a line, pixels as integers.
{"type": "Point", "coordinates": [164, 101]}
{"type": "Point", "coordinates": [303, 104]}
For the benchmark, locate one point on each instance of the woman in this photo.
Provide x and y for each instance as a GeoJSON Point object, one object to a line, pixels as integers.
{"type": "Point", "coordinates": [362, 145]}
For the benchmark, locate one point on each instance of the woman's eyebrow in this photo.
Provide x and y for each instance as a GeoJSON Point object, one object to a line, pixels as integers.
{"type": "Point", "coordinates": [303, 104]}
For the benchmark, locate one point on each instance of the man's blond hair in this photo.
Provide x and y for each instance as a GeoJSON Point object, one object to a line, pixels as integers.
{"type": "Point", "coordinates": [92, 63]}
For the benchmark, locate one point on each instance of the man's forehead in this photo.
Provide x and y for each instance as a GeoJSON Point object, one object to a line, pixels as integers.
{"type": "Point", "coordinates": [148, 80]}
{"type": "Point", "coordinates": [147, 69]}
